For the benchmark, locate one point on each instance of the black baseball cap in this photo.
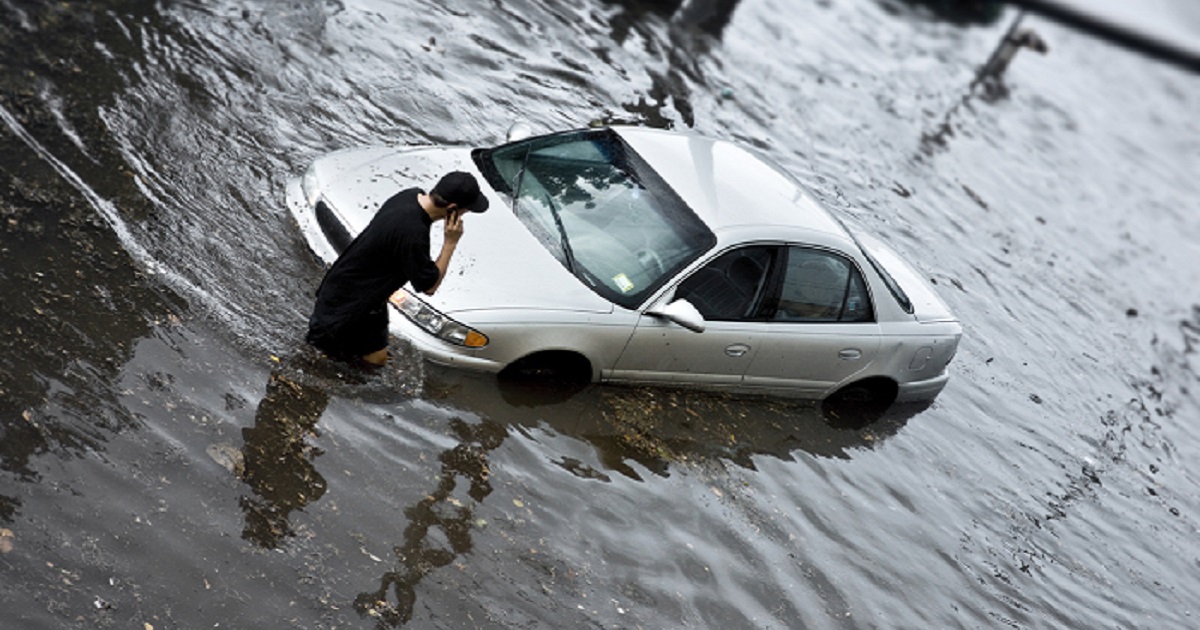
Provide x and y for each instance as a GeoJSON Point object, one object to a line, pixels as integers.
{"type": "Point", "coordinates": [461, 189]}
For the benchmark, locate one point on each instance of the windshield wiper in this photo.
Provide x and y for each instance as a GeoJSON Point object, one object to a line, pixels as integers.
{"type": "Point", "coordinates": [562, 232]}
{"type": "Point", "coordinates": [516, 194]}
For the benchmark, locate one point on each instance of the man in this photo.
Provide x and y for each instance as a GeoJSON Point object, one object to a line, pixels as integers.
{"type": "Point", "coordinates": [349, 321]}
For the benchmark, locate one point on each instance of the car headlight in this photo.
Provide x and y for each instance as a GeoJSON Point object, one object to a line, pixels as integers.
{"type": "Point", "coordinates": [435, 323]}
{"type": "Point", "coordinates": [310, 185]}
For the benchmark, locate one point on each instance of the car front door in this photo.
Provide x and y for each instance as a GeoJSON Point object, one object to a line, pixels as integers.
{"type": "Point", "coordinates": [819, 322]}
{"type": "Point", "coordinates": [728, 292]}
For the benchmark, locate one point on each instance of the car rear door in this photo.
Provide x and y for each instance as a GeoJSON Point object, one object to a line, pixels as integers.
{"type": "Point", "coordinates": [727, 291]}
{"type": "Point", "coordinates": [820, 326]}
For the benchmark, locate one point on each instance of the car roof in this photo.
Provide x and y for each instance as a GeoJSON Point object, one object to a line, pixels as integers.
{"type": "Point", "coordinates": [729, 186]}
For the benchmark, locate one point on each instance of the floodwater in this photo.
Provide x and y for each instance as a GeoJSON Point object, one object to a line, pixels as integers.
{"type": "Point", "coordinates": [172, 456]}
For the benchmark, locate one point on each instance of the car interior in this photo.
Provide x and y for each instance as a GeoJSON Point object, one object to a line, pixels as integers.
{"type": "Point", "coordinates": [729, 288]}
{"type": "Point", "coordinates": [815, 286]}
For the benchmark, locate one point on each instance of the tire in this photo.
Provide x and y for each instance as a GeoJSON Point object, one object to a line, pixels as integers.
{"type": "Point", "coordinates": [553, 367]}
{"type": "Point", "coordinates": [860, 403]}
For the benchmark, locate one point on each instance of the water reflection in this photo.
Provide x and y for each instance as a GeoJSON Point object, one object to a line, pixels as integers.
{"type": "Point", "coordinates": [659, 427]}
{"type": "Point", "coordinates": [277, 459]}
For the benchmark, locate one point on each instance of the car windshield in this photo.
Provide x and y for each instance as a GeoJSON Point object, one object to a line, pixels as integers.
{"type": "Point", "coordinates": [599, 209]}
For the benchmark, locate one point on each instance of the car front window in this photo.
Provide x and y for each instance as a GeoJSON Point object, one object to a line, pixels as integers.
{"type": "Point", "coordinates": [731, 287]}
{"type": "Point", "coordinates": [599, 209]}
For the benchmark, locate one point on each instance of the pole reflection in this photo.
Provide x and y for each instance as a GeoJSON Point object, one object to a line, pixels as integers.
{"type": "Point", "coordinates": [421, 552]}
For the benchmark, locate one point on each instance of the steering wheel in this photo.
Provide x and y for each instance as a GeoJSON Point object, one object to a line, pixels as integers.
{"type": "Point", "coordinates": [648, 257]}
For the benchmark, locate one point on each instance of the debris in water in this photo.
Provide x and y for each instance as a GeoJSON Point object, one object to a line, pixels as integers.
{"type": "Point", "coordinates": [228, 456]}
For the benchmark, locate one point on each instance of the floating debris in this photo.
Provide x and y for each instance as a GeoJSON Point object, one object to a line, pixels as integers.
{"type": "Point", "coordinates": [228, 456]}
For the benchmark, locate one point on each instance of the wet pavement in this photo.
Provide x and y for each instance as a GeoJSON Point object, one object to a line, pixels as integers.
{"type": "Point", "coordinates": [172, 455]}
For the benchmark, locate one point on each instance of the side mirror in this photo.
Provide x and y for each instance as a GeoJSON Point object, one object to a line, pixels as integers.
{"type": "Point", "coordinates": [680, 312]}
{"type": "Point", "coordinates": [518, 131]}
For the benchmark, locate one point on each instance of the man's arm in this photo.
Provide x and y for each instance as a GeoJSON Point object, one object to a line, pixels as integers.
{"type": "Point", "coordinates": [453, 232]}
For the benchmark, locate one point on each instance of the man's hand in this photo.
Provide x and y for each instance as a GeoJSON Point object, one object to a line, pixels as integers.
{"type": "Point", "coordinates": [453, 229]}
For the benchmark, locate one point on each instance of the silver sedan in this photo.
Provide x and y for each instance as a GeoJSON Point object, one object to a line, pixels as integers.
{"type": "Point", "coordinates": [633, 255]}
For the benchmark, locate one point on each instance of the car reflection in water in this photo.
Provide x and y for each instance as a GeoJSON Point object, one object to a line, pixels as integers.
{"type": "Point", "coordinates": [630, 429]}
{"type": "Point", "coordinates": [654, 427]}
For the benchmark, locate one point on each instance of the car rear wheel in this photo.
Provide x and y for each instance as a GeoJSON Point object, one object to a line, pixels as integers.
{"type": "Point", "coordinates": [860, 403]}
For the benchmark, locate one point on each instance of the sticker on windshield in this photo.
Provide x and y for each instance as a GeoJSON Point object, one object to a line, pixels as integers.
{"type": "Point", "coordinates": [623, 283]}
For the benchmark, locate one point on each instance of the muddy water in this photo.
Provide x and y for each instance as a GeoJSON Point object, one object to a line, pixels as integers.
{"type": "Point", "coordinates": [171, 455]}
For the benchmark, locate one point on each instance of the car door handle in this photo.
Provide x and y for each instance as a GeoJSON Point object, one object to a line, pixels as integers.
{"type": "Point", "coordinates": [850, 354]}
{"type": "Point", "coordinates": [737, 350]}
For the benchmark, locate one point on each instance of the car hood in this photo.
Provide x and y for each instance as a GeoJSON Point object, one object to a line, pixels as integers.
{"type": "Point", "coordinates": [498, 264]}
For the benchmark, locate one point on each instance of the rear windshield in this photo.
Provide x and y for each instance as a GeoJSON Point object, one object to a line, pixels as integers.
{"type": "Point", "coordinates": [889, 282]}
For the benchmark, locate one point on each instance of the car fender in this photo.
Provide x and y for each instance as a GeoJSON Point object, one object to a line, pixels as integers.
{"type": "Point", "coordinates": [598, 337]}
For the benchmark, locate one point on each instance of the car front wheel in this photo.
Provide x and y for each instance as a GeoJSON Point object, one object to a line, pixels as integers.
{"type": "Point", "coordinates": [554, 367]}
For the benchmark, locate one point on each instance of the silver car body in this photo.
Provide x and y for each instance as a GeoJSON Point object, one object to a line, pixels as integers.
{"type": "Point", "coordinates": [506, 284]}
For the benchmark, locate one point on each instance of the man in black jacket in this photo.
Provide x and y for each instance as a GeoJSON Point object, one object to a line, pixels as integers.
{"type": "Point", "coordinates": [349, 321]}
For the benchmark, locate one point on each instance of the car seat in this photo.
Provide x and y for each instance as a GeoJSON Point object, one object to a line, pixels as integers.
{"type": "Point", "coordinates": [724, 295]}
